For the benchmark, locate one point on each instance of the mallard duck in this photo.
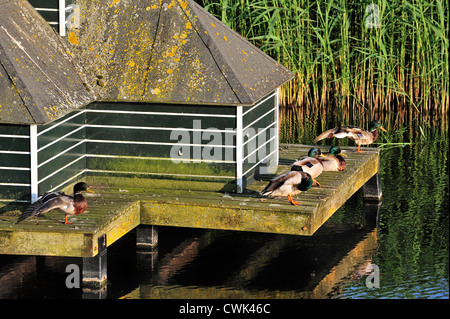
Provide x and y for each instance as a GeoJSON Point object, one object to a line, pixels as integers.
{"type": "Point", "coordinates": [356, 134]}
{"type": "Point", "coordinates": [68, 205]}
{"type": "Point", "coordinates": [311, 164]}
{"type": "Point", "coordinates": [288, 184]}
{"type": "Point", "coordinates": [335, 161]}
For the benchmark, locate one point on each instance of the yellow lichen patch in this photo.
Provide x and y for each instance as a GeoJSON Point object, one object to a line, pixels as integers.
{"type": "Point", "coordinates": [213, 25]}
{"type": "Point", "coordinates": [188, 25]}
{"type": "Point", "coordinates": [225, 38]}
{"type": "Point", "coordinates": [244, 52]}
{"type": "Point", "coordinates": [170, 52]}
{"type": "Point", "coordinates": [169, 71]}
{"type": "Point", "coordinates": [184, 4]}
{"type": "Point", "coordinates": [73, 38]}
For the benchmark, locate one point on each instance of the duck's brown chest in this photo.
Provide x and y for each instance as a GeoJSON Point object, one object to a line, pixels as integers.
{"type": "Point", "coordinates": [80, 204]}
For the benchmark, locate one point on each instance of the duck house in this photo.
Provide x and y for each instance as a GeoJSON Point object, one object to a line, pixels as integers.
{"type": "Point", "coordinates": [147, 89]}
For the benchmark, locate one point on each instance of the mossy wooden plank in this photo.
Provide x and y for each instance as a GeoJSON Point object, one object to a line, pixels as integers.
{"type": "Point", "coordinates": [42, 243]}
{"type": "Point", "coordinates": [221, 217]}
{"type": "Point", "coordinates": [117, 226]}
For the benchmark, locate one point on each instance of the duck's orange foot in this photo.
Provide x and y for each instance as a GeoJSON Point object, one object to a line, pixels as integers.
{"type": "Point", "coordinates": [293, 202]}
{"type": "Point", "coordinates": [66, 222]}
{"type": "Point", "coordinates": [316, 183]}
{"type": "Point", "coordinates": [359, 150]}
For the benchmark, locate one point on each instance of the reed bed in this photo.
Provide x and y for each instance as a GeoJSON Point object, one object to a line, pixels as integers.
{"type": "Point", "coordinates": [353, 60]}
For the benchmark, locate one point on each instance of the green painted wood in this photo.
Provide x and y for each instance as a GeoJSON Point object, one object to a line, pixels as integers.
{"type": "Point", "coordinates": [158, 107]}
{"type": "Point", "coordinates": [15, 144]}
{"type": "Point", "coordinates": [15, 129]}
{"type": "Point", "coordinates": [14, 176]}
{"type": "Point", "coordinates": [15, 160]}
{"type": "Point", "coordinates": [14, 138]}
{"type": "Point", "coordinates": [160, 166]}
{"type": "Point", "coordinates": [161, 120]}
{"type": "Point", "coordinates": [65, 156]}
{"type": "Point", "coordinates": [257, 112]}
{"type": "Point", "coordinates": [12, 193]}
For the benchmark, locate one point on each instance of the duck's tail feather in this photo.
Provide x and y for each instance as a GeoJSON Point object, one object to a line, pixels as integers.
{"type": "Point", "coordinates": [266, 190]}
{"type": "Point", "coordinates": [47, 202]}
{"type": "Point", "coordinates": [37, 208]}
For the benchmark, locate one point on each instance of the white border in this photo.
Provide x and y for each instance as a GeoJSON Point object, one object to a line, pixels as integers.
{"type": "Point", "coordinates": [34, 163]}
{"type": "Point", "coordinates": [239, 149]}
{"type": "Point", "coordinates": [62, 17]}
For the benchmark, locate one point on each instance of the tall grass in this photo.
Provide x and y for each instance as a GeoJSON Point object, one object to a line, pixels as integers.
{"type": "Point", "coordinates": [398, 66]}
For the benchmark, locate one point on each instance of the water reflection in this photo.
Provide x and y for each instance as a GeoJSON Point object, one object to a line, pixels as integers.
{"type": "Point", "coordinates": [224, 264]}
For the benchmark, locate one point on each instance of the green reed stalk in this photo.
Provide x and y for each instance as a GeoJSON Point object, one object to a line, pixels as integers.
{"type": "Point", "coordinates": [396, 66]}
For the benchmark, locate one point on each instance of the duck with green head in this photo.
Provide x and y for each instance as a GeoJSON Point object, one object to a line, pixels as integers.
{"type": "Point", "coordinates": [356, 134]}
{"type": "Point", "coordinates": [335, 161]}
{"type": "Point", "coordinates": [311, 164]}
{"type": "Point", "coordinates": [66, 204]}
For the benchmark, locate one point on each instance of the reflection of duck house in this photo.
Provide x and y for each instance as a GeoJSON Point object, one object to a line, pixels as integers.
{"type": "Point", "coordinates": [145, 88]}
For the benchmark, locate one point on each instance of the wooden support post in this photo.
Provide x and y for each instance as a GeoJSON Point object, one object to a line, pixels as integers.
{"type": "Point", "coordinates": [146, 246]}
{"type": "Point", "coordinates": [371, 214]}
{"type": "Point", "coordinates": [147, 236]}
{"type": "Point", "coordinates": [372, 188]}
{"type": "Point", "coordinates": [95, 268]}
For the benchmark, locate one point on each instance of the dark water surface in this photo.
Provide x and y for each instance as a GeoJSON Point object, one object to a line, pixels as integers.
{"type": "Point", "coordinates": [406, 237]}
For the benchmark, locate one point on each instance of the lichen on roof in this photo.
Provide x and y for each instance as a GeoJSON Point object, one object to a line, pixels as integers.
{"type": "Point", "coordinates": [156, 51]}
{"type": "Point", "coordinates": [38, 80]}
{"type": "Point", "coordinates": [169, 51]}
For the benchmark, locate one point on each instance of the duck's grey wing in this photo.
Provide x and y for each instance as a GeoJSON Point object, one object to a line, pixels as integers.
{"type": "Point", "coordinates": [339, 132]}
{"type": "Point", "coordinates": [48, 201]}
{"type": "Point", "coordinates": [326, 134]}
{"type": "Point", "coordinates": [277, 182]}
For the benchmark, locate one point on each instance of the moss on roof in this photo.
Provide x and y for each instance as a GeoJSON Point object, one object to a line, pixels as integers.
{"type": "Point", "coordinates": [161, 51]}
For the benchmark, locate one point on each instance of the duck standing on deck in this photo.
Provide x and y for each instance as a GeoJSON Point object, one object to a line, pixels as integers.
{"type": "Point", "coordinates": [288, 184]}
{"type": "Point", "coordinates": [356, 134]}
{"type": "Point", "coordinates": [311, 164]}
{"type": "Point", "coordinates": [68, 205]}
{"type": "Point", "coordinates": [335, 161]}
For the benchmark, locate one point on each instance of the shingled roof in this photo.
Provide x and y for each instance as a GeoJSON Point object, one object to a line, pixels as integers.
{"type": "Point", "coordinates": [38, 81]}
{"type": "Point", "coordinates": [161, 51]}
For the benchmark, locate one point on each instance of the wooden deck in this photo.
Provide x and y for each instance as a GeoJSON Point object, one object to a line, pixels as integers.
{"type": "Point", "coordinates": [122, 203]}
